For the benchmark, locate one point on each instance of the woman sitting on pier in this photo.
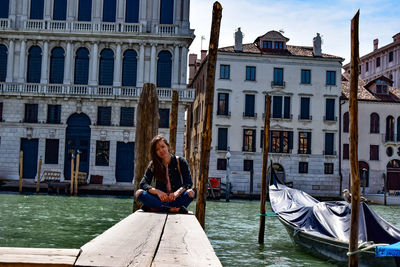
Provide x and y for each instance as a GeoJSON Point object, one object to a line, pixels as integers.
{"type": "Point", "coordinates": [173, 191]}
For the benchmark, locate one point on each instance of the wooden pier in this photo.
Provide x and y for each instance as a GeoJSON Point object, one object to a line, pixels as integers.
{"type": "Point", "coordinates": [141, 239]}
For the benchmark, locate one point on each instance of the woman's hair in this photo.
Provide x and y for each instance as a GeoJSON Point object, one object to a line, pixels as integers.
{"type": "Point", "coordinates": [159, 170]}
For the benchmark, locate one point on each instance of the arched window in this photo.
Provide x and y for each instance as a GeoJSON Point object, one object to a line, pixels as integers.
{"type": "Point", "coordinates": [346, 122]}
{"type": "Point", "coordinates": [57, 66]}
{"type": "Point", "coordinates": [36, 9]}
{"type": "Point", "coordinates": [374, 123]}
{"type": "Point", "coordinates": [364, 173]}
{"type": "Point", "coordinates": [132, 11]}
{"type": "Point", "coordinates": [389, 128]}
{"type": "Point", "coordinates": [60, 10]}
{"type": "Point", "coordinates": [34, 64]}
{"type": "Point", "coordinates": [85, 10]}
{"type": "Point", "coordinates": [3, 63]}
{"type": "Point", "coordinates": [81, 66]}
{"type": "Point", "coordinates": [167, 12]}
{"type": "Point", "coordinates": [164, 69]}
{"type": "Point", "coordinates": [129, 67]}
{"type": "Point", "coordinates": [106, 71]}
{"type": "Point", "coordinates": [5, 5]}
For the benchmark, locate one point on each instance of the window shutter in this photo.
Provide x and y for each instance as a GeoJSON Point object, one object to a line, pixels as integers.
{"type": "Point", "coordinates": [305, 108]}
{"type": "Point", "coordinates": [57, 66]}
{"type": "Point", "coordinates": [309, 143]}
{"type": "Point", "coordinates": [249, 105]}
{"type": "Point", "coordinates": [81, 66]}
{"type": "Point", "coordinates": [132, 11]}
{"type": "Point", "coordinates": [286, 112]}
{"type": "Point", "coordinates": [3, 61]}
{"type": "Point", "coordinates": [109, 10]}
{"type": "Point", "coordinates": [85, 10]}
{"type": "Point", "coordinates": [290, 140]}
{"type": "Point", "coordinates": [254, 141]}
{"type": "Point", "coordinates": [164, 69]}
{"type": "Point", "coordinates": [60, 9]}
{"type": "Point", "coordinates": [37, 9]}
{"type": "Point", "coordinates": [166, 16]}
{"type": "Point", "coordinates": [34, 64]}
{"type": "Point", "coordinates": [277, 107]}
{"type": "Point", "coordinates": [106, 69]}
{"type": "Point", "coordinates": [164, 117]}
{"type": "Point", "coordinates": [222, 138]}
{"type": "Point", "coordinates": [129, 68]}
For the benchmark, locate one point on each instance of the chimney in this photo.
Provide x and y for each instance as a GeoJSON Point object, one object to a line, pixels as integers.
{"type": "Point", "coordinates": [238, 40]}
{"type": "Point", "coordinates": [376, 41]}
{"type": "Point", "coordinates": [317, 46]}
{"type": "Point", "coordinates": [203, 54]}
{"type": "Point", "coordinates": [192, 66]}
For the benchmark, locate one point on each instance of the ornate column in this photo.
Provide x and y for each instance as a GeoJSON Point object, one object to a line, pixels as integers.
{"type": "Point", "coordinates": [175, 70]}
{"type": "Point", "coordinates": [45, 59]}
{"type": "Point", "coordinates": [13, 12]}
{"type": "Point", "coordinates": [67, 68]}
{"type": "Point", "coordinates": [120, 17]}
{"type": "Point", "coordinates": [177, 12]}
{"type": "Point", "coordinates": [71, 10]}
{"type": "Point", "coordinates": [117, 66]}
{"type": "Point", "coordinates": [22, 59]}
{"type": "Point", "coordinates": [96, 10]}
{"type": "Point", "coordinates": [153, 59]}
{"type": "Point", "coordinates": [47, 10]}
{"type": "Point", "coordinates": [10, 61]}
{"type": "Point", "coordinates": [93, 64]}
{"type": "Point", "coordinates": [183, 75]}
{"type": "Point", "coordinates": [140, 69]}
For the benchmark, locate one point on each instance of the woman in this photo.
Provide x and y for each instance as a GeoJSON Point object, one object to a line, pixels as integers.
{"type": "Point", "coordinates": [173, 191]}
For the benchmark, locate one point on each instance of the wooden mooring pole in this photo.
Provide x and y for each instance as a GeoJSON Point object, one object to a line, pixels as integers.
{"type": "Point", "coordinates": [72, 176]}
{"type": "Point", "coordinates": [264, 169]}
{"type": "Point", "coordinates": [207, 123]}
{"type": "Point", "coordinates": [353, 112]}
{"type": "Point", "coordinates": [21, 168]}
{"type": "Point", "coordinates": [38, 176]}
{"type": "Point", "coordinates": [78, 157]}
{"type": "Point", "coordinates": [173, 122]}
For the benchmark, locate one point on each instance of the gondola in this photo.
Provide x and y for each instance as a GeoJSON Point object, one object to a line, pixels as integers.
{"type": "Point", "coordinates": [323, 228]}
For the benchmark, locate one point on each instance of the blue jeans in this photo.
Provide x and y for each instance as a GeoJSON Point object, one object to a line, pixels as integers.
{"type": "Point", "coordinates": [152, 201]}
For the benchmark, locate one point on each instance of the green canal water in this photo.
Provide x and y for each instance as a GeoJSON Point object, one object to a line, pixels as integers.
{"type": "Point", "coordinates": [232, 227]}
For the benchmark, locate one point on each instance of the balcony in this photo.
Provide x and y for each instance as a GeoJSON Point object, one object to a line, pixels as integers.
{"type": "Point", "coordinates": [166, 29]}
{"type": "Point", "coordinates": [249, 115]}
{"type": "Point", "coordinates": [334, 119]}
{"type": "Point", "coordinates": [329, 153]}
{"type": "Point", "coordinates": [300, 118]}
{"type": "Point", "coordinates": [90, 91]}
{"type": "Point", "coordinates": [222, 113]}
{"type": "Point", "coordinates": [391, 138]}
{"type": "Point", "coordinates": [5, 23]}
{"type": "Point", "coordinates": [278, 84]}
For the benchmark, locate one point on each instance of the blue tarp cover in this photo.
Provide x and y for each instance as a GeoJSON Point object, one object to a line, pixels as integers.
{"type": "Point", "coordinates": [385, 251]}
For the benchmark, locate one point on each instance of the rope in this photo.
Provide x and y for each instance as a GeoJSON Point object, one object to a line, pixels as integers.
{"type": "Point", "coordinates": [270, 214]}
{"type": "Point", "coordinates": [365, 246]}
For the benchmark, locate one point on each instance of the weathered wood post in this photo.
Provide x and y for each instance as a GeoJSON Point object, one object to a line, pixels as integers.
{"type": "Point", "coordinates": [207, 123]}
{"type": "Point", "coordinates": [72, 176]}
{"type": "Point", "coordinates": [353, 112]}
{"type": "Point", "coordinates": [173, 122]}
{"type": "Point", "coordinates": [147, 119]}
{"type": "Point", "coordinates": [78, 157]}
{"type": "Point", "coordinates": [21, 168]}
{"type": "Point", "coordinates": [38, 176]}
{"type": "Point", "coordinates": [264, 169]}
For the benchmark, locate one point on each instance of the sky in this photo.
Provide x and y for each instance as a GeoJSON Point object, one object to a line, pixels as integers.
{"type": "Point", "coordinates": [300, 21]}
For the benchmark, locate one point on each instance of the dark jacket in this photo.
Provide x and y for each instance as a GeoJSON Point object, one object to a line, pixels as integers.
{"type": "Point", "coordinates": [174, 176]}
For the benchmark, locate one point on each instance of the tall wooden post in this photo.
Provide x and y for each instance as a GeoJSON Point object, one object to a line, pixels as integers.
{"type": "Point", "coordinates": [21, 168]}
{"type": "Point", "coordinates": [78, 157]}
{"type": "Point", "coordinates": [147, 119]}
{"type": "Point", "coordinates": [72, 174]}
{"type": "Point", "coordinates": [264, 170]}
{"type": "Point", "coordinates": [353, 112]}
{"type": "Point", "coordinates": [38, 176]}
{"type": "Point", "coordinates": [207, 123]}
{"type": "Point", "coordinates": [173, 122]}
{"type": "Point", "coordinates": [188, 140]}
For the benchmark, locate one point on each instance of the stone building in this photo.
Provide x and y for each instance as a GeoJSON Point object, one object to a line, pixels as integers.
{"type": "Point", "coordinates": [71, 73]}
{"type": "Point", "coordinates": [305, 86]}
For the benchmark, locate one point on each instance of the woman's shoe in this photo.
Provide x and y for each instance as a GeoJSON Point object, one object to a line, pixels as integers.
{"type": "Point", "coordinates": [183, 210]}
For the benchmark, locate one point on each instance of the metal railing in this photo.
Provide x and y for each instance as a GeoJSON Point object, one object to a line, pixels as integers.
{"type": "Point", "coordinates": [390, 138]}
{"type": "Point", "coordinates": [309, 118]}
{"type": "Point", "coordinates": [330, 119]}
{"type": "Point", "coordinates": [280, 84]}
{"type": "Point", "coordinates": [245, 115]}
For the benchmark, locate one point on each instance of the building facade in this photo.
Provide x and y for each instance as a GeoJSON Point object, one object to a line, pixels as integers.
{"type": "Point", "coordinates": [305, 87]}
{"type": "Point", "coordinates": [71, 73]}
{"type": "Point", "coordinates": [383, 61]}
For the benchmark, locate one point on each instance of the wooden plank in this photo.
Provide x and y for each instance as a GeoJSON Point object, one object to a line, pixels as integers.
{"type": "Point", "coordinates": [10, 256]}
{"type": "Point", "coordinates": [131, 242]}
{"type": "Point", "coordinates": [184, 243]}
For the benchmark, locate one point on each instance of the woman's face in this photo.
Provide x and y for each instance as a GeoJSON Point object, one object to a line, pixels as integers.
{"type": "Point", "coordinates": [162, 150]}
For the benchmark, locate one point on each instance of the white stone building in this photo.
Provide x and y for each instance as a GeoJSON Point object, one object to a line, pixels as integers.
{"type": "Point", "coordinates": [305, 86]}
{"type": "Point", "coordinates": [71, 74]}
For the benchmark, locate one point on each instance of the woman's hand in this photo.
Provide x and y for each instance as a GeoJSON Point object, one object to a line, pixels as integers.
{"type": "Point", "coordinates": [162, 196]}
{"type": "Point", "coordinates": [190, 193]}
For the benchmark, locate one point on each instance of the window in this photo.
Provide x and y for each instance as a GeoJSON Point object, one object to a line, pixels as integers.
{"type": "Point", "coordinates": [249, 140]}
{"type": "Point", "coordinates": [247, 165]}
{"type": "Point", "coordinates": [164, 69]}
{"type": "Point", "coordinates": [223, 104]}
{"type": "Point", "coordinates": [328, 168]}
{"type": "Point", "coordinates": [330, 109]}
{"type": "Point", "coordinates": [109, 8]}
{"type": "Point", "coordinates": [278, 76]}
{"type": "Point", "coordinates": [132, 11]}
{"type": "Point", "coordinates": [53, 114]}
{"type": "Point", "coordinates": [1, 111]}
{"type": "Point", "coordinates": [224, 71]}
{"type": "Point", "coordinates": [102, 153]}
{"type": "Point", "coordinates": [262, 139]}
{"type": "Point", "coordinates": [250, 73]}
{"type": "Point", "coordinates": [31, 113]}
{"type": "Point", "coordinates": [374, 123]}
{"type": "Point", "coordinates": [389, 129]}
{"type": "Point", "coordinates": [5, 4]}
{"type": "Point", "coordinates": [304, 143]}
{"type": "Point", "coordinates": [81, 75]}
{"type": "Point", "coordinates": [57, 66]}
{"type": "Point", "coordinates": [51, 156]}
{"type": "Point", "coordinates": [374, 152]}
{"type": "Point", "coordinates": [329, 144]}
{"type": "Point", "coordinates": [277, 111]}
{"type": "Point", "coordinates": [106, 69]}
{"type": "Point", "coordinates": [129, 68]}
{"type": "Point", "coordinates": [164, 117]}
{"type": "Point", "coordinates": [378, 62]}
{"type": "Point", "coordinates": [366, 66]}
{"type": "Point", "coordinates": [281, 141]}
{"type": "Point", "coordinates": [166, 12]}
{"type": "Point", "coordinates": [59, 9]}
{"type": "Point", "coordinates": [249, 106]}
{"type": "Point", "coordinates": [390, 56]}
{"type": "Point", "coordinates": [346, 122]}
{"type": "Point", "coordinates": [278, 45]}
{"type": "Point", "coordinates": [85, 10]}
{"type": "Point", "coordinates": [346, 151]}
{"type": "Point", "coordinates": [221, 164]}
{"type": "Point", "coordinates": [127, 117]}
{"type": "Point", "coordinates": [303, 167]}
{"type": "Point", "coordinates": [305, 76]}
{"type": "Point", "coordinates": [34, 64]}
{"type": "Point", "coordinates": [267, 44]}
{"type": "Point", "coordinates": [305, 108]}
{"type": "Point", "coordinates": [3, 62]}
{"type": "Point", "coordinates": [104, 116]}
{"type": "Point", "coordinates": [222, 139]}
{"type": "Point", "coordinates": [364, 173]}
{"type": "Point", "coordinates": [331, 78]}
{"type": "Point", "coordinates": [36, 9]}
